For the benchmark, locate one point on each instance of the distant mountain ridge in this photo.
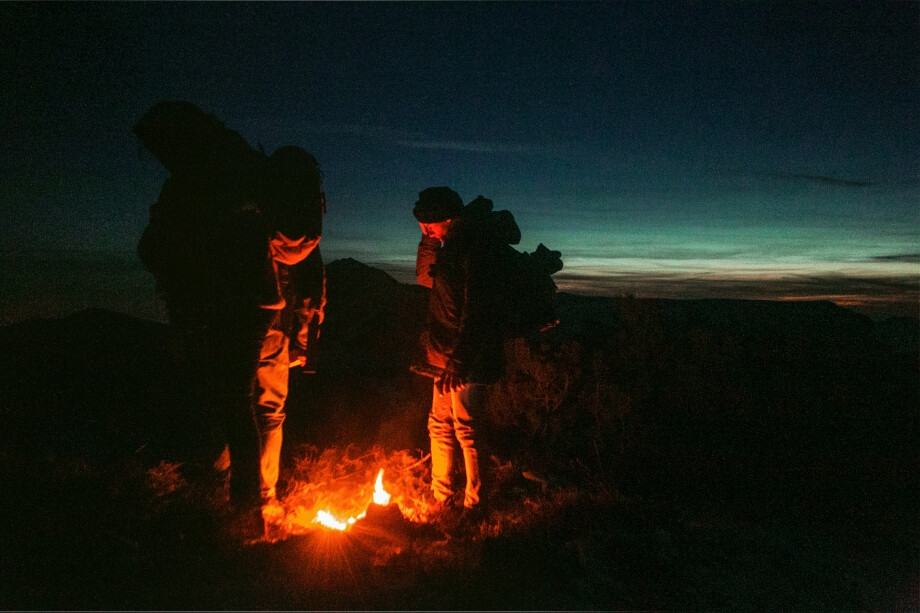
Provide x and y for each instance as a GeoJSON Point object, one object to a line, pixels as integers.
{"type": "Point", "coordinates": [98, 377]}
{"type": "Point", "coordinates": [372, 320]}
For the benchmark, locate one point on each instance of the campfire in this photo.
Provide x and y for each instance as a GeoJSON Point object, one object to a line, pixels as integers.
{"type": "Point", "coordinates": [336, 488]}
{"type": "Point", "coordinates": [381, 497]}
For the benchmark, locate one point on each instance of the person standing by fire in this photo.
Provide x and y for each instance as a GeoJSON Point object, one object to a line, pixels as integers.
{"type": "Point", "coordinates": [458, 260]}
{"type": "Point", "coordinates": [232, 243]}
{"type": "Point", "coordinates": [297, 206]}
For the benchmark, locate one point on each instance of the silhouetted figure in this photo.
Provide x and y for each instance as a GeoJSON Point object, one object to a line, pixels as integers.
{"type": "Point", "coordinates": [459, 258]}
{"type": "Point", "coordinates": [232, 242]}
{"type": "Point", "coordinates": [298, 203]}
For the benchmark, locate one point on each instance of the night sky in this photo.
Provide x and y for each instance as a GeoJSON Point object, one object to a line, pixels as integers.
{"type": "Point", "coordinates": [672, 149]}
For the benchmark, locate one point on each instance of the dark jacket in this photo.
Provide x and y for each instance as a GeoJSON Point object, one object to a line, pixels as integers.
{"type": "Point", "coordinates": [212, 241]}
{"type": "Point", "coordinates": [204, 254]}
{"type": "Point", "coordinates": [464, 331]}
{"type": "Point", "coordinates": [207, 240]}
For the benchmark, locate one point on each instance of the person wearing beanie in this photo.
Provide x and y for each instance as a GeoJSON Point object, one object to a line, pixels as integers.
{"type": "Point", "coordinates": [437, 204]}
{"type": "Point", "coordinates": [463, 350]}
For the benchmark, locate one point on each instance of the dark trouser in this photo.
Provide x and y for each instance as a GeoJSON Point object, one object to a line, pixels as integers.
{"type": "Point", "coordinates": [223, 352]}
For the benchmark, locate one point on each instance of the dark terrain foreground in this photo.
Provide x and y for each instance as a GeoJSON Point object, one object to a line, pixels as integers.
{"type": "Point", "coordinates": [646, 455]}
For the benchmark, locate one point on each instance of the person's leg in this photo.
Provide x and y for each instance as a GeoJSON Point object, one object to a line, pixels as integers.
{"type": "Point", "coordinates": [469, 406]}
{"type": "Point", "coordinates": [192, 385]}
{"type": "Point", "coordinates": [441, 433]}
{"type": "Point", "coordinates": [238, 340]}
{"type": "Point", "coordinates": [271, 388]}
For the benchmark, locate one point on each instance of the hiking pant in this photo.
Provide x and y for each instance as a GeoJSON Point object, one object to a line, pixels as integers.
{"type": "Point", "coordinates": [457, 418]}
{"type": "Point", "coordinates": [234, 341]}
{"type": "Point", "coordinates": [236, 362]}
{"type": "Point", "coordinates": [269, 396]}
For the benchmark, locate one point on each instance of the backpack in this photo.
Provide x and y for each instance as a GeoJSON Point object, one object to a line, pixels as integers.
{"type": "Point", "coordinates": [522, 283]}
{"type": "Point", "coordinates": [528, 293]}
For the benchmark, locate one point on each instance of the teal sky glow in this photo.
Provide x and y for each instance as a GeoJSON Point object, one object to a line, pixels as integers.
{"type": "Point", "coordinates": [667, 149]}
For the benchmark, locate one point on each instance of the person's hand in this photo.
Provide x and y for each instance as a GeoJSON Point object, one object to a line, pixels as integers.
{"type": "Point", "coordinates": [449, 381]}
{"type": "Point", "coordinates": [298, 362]}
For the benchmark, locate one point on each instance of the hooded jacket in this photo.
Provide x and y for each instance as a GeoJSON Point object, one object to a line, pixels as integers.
{"type": "Point", "coordinates": [464, 332]}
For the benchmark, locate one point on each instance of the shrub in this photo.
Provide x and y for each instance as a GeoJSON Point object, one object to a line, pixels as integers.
{"type": "Point", "coordinates": [557, 400]}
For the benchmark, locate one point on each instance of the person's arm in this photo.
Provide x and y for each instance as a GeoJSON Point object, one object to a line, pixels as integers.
{"type": "Point", "coordinates": [455, 373]}
{"type": "Point", "coordinates": [152, 245]}
{"type": "Point", "coordinates": [310, 281]}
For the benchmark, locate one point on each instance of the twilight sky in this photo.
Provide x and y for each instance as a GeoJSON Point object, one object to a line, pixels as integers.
{"type": "Point", "coordinates": [668, 149]}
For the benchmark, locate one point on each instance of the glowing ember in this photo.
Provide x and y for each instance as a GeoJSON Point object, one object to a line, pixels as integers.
{"type": "Point", "coordinates": [327, 519]}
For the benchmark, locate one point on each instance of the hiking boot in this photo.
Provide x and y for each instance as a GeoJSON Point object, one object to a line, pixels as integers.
{"type": "Point", "coordinates": [473, 515]}
{"type": "Point", "coordinates": [444, 511]}
{"type": "Point", "coordinates": [469, 523]}
{"type": "Point", "coordinates": [273, 514]}
{"type": "Point", "coordinates": [272, 511]}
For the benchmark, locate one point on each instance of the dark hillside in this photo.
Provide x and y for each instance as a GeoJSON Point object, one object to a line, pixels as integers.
{"type": "Point", "coordinates": [88, 383]}
{"type": "Point", "coordinates": [371, 320]}
{"type": "Point", "coordinates": [701, 454]}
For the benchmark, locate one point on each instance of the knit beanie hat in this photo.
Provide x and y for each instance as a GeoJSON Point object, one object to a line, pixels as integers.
{"type": "Point", "coordinates": [437, 204]}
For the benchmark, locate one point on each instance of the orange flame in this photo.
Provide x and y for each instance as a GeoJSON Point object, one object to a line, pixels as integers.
{"type": "Point", "coordinates": [381, 496]}
{"type": "Point", "coordinates": [327, 519]}
{"type": "Point", "coordinates": [334, 488]}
